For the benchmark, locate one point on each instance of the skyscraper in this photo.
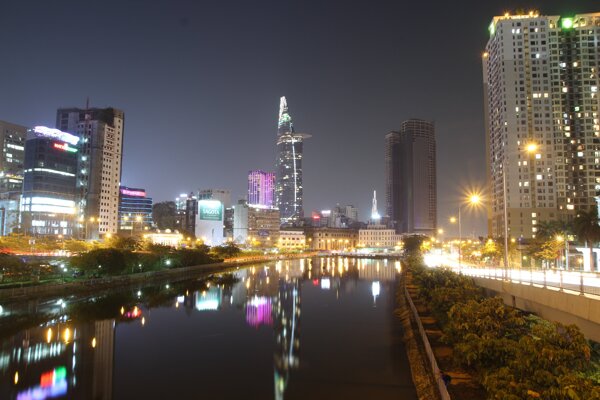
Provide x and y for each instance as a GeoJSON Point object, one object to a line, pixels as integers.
{"type": "Point", "coordinates": [289, 190]}
{"type": "Point", "coordinates": [411, 192]}
{"type": "Point", "coordinates": [261, 188]}
{"type": "Point", "coordinates": [48, 204]}
{"type": "Point", "coordinates": [540, 76]}
{"type": "Point", "coordinates": [100, 162]}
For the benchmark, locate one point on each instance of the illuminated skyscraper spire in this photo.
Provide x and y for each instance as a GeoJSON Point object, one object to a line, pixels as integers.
{"type": "Point", "coordinates": [285, 124]}
{"type": "Point", "coordinates": [375, 217]}
{"type": "Point", "coordinates": [289, 191]}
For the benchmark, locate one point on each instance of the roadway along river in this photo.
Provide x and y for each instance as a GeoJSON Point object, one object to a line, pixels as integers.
{"type": "Point", "coordinates": [320, 328]}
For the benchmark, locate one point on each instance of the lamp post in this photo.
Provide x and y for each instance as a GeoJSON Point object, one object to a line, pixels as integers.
{"type": "Point", "coordinates": [473, 200]}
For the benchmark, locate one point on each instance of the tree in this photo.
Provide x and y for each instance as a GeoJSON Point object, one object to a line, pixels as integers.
{"type": "Point", "coordinates": [587, 229]}
{"type": "Point", "coordinates": [164, 214]}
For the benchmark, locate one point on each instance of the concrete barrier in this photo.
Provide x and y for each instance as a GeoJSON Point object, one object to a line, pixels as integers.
{"type": "Point", "coordinates": [555, 305]}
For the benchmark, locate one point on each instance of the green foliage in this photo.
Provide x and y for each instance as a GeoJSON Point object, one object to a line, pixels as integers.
{"type": "Point", "coordinates": [104, 261]}
{"type": "Point", "coordinates": [515, 356]}
{"type": "Point", "coordinates": [412, 243]}
{"type": "Point", "coordinates": [229, 250]}
{"type": "Point", "coordinates": [123, 243]}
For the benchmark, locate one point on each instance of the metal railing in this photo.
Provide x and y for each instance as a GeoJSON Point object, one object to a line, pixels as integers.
{"type": "Point", "coordinates": [437, 373]}
{"type": "Point", "coordinates": [578, 281]}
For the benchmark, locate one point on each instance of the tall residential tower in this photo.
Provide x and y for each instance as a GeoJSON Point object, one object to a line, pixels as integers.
{"type": "Point", "coordinates": [540, 76]}
{"type": "Point", "coordinates": [100, 162]}
{"type": "Point", "coordinates": [411, 191]}
{"type": "Point", "coordinates": [289, 191]}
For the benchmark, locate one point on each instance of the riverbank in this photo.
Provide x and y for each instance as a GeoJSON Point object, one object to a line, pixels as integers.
{"type": "Point", "coordinates": [111, 282]}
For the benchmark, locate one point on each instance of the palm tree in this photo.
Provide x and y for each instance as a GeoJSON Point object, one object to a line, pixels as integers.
{"type": "Point", "coordinates": [587, 229]}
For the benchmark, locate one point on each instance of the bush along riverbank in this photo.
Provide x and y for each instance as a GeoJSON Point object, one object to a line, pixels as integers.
{"type": "Point", "coordinates": [511, 354]}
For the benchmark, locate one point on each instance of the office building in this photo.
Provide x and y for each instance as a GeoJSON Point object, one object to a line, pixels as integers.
{"type": "Point", "coordinates": [411, 192]}
{"type": "Point", "coordinates": [209, 222]}
{"type": "Point", "coordinates": [379, 237]}
{"type": "Point", "coordinates": [291, 239]}
{"type": "Point", "coordinates": [256, 226]}
{"type": "Point", "coordinates": [48, 204]}
{"type": "Point", "coordinates": [540, 78]}
{"type": "Point", "coordinates": [223, 195]}
{"type": "Point", "coordinates": [135, 210]}
{"type": "Point", "coordinates": [289, 189]}
{"type": "Point", "coordinates": [12, 140]}
{"type": "Point", "coordinates": [100, 162]}
{"type": "Point", "coordinates": [261, 188]}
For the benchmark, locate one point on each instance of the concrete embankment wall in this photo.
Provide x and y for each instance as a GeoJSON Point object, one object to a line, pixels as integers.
{"type": "Point", "coordinates": [554, 305]}
{"type": "Point", "coordinates": [110, 282]}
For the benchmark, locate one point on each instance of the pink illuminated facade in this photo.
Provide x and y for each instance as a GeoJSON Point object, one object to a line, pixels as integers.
{"type": "Point", "coordinates": [261, 188]}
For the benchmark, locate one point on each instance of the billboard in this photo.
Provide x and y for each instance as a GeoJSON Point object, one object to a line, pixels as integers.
{"type": "Point", "coordinates": [210, 210]}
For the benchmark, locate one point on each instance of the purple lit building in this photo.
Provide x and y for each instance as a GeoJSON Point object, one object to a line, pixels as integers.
{"type": "Point", "coordinates": [261, 188]}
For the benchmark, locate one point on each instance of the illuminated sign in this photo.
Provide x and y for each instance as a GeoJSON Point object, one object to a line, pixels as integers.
{"type": "Point", "coordinates": [56, 134]}
{"type": "Point", "coordinates": [210, 210]}
{"type": "Point", "coordinates": [134, 193]}
{"type": "Point", "coordinates": [65, 147]}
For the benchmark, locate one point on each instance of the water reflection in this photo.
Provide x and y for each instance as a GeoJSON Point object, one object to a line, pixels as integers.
{"type": "Point", "coordinates": [66, 348]}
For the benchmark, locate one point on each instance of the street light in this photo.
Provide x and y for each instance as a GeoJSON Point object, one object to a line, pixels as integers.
{"type": "Point", "coordinates": [472, 200]}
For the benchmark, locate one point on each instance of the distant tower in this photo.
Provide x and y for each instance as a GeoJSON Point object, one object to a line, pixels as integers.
{"type": "Point", "coordinates": [411, 198]}
{"type": "Point", "coordinates": [375, 217]}
{"type": "Point", "coordinates": [289, 190]}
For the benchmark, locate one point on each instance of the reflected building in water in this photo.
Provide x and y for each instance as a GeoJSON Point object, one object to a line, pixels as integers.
{"type": "Point", "coordinates": [59, 359]}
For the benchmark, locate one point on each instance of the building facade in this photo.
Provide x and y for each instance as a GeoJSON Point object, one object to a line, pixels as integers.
{"type": "Point", "coordinates": [100, 163]}
{"type": "Point", "coordinates": [255, 226]}
{"type": "Point", "coordinates": [379, 237]}
{"type": "Point", "coordinates": [209, 222]}
{"type": "Point", "coordinates": [331, 239]}
{"type": "Point", "coordinates": [289, 191]}
{"type": "Point", "coordinates": [291, 239]}
{"type": "Point", "coordinates": [12, 140]}
{"type": "Point", "coordinates": [411, 181]}
{"type": "Point", "coordinates": [135, 210]}
{"type": "Point", "coordinates": [261, 188]}
{"type": "Point", "coordinates": [540, 76]}
{"type": "Point", "coordinates": [48, 204]}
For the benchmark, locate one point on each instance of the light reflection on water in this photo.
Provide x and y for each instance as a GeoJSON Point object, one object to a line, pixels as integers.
{"type": "Point", "coordinates": [126, 344]}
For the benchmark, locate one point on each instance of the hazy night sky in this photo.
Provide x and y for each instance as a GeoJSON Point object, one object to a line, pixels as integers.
{"type": "Point", "coordinates": [200, 83]}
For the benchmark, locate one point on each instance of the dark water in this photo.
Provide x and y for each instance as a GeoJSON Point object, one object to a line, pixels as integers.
{"type": "Point", "coordinates": [318, 328]}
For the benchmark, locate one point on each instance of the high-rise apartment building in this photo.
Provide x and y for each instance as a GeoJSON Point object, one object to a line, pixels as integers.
{"type": "Point", "coordinates": [48, 203]}
{"type": "Point", "coordinates": [289, 190]}
{"type": "Point", "coordinates": [411, 191]}
{"type": "Point", "coordinates": [12, 140]}
{"type": "Point", "coordinates": [540, 76]}
{"type": "Point", "coordinates": [100, 163]}
{"type": "Point", "coordinates": [261, 188]}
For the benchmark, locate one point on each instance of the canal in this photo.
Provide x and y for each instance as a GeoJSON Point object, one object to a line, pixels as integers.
{"type": "Point", "coordinates": [317, 328]}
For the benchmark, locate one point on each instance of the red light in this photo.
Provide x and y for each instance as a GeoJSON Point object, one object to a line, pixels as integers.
{"type": "Point", "coordinates": [47, 379]}
{"type": "Point", "coordinates": [316, 217]}
{"type": "Point", "coordinates": [315, 282]}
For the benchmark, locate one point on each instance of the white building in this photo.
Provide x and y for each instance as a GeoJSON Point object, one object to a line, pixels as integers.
{"type": "Point", "coordinates": [540, 76]}
{"type": "Point", "coordinates": [379, 237]}
{"type": "Point", "coordinates": [209, 222]}
{"type": "Point", "coordinates": [100, 162]}
{"type": "Point", "coordinates": [291, 240]}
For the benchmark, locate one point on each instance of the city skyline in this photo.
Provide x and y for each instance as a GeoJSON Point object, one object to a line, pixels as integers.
{"type": "Point", "coordinates": [349, 99]}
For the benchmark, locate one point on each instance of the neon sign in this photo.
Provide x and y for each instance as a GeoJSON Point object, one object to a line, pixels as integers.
{"type": "Point", "coordinates": [134, 193]}
{"type": "Point", "coordinates": [57, 134]}
{"type": "Point", "coordinates": [65, 147]}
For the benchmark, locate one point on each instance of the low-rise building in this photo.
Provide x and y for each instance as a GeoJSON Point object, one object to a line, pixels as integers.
{"type": "Point", "coordinates": [165, 238]}
{"type": "Point", "coordinates": [291, 239]}
{"type": "Point", "coordinates": [337, 239]}
{"type": "Point", "coordinates": [379, 237]}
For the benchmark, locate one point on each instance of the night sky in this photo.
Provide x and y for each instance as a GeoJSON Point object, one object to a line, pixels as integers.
{"type": "Point", "coordinates": [200, 82]}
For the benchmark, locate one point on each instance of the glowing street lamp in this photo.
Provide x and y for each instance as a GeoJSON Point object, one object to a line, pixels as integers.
{"type": "Point", "coordinates": [472, 201]}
